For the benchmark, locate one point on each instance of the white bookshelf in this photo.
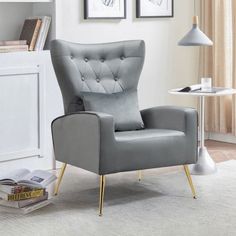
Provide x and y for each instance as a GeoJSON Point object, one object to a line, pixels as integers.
{"type": "Point", "coordinates": [29, 94]}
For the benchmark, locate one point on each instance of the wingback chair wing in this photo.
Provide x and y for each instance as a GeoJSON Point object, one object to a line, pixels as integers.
{"type": "Point", "coordinates": [87, 139]}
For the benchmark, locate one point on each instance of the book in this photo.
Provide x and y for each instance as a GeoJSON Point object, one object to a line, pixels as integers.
{"type": "Point", "coordinates": [13, 48]}
{"type": "Point", "coordinates": [13, 42]}
{"type": "Point", "coordinates": [30, 32]}
{"type": "Point", "coordinates": [40, 43]}
{"type": "Point", "coordinates": [22, 195]}
{"type": "Point", "coordinates": [27, 209]}
{"type": "Point", "coordinates": [34, 179]}
{"type": "Point", "coordinates": [12, 189]}
{"type": "Point", "coordinates": [23, 203]}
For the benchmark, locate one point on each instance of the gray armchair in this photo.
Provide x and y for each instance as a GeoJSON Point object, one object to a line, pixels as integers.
{"type": "Point", "coordinates": [88, 139]}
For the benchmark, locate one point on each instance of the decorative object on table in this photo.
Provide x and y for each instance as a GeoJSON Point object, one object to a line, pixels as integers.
{"type": "Point", "coordinates": [206, 84]}
{"type": "Point", "coordinates": [195, 37]}
{"type": "Point", "coordinates": [104, 9]}
{"type": "Point", "coordinates": [30, 32]}
{"type": "Point", "coordinates": [154, 8]}
{"type": "Point", "coordinates": [24, 190]}
{"type": "Point", "coordinates": [205, 165]}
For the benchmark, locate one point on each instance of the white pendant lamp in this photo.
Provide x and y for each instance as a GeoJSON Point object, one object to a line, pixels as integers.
{"type": "Point", "coordinates": [195, 37]}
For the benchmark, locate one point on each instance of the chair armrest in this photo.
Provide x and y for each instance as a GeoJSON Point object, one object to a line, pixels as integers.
{"type": "Point", "coordinates": [171, 117]}
{"type": "Point", "coordinates": [78, 137]}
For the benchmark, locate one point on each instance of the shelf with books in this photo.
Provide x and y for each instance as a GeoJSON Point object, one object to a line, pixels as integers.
{"type": "Point", "coordinates": [39, 15]}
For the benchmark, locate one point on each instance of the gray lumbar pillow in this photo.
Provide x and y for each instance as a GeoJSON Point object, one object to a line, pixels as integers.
{"type": "Point", "coordinates": [122, 106]}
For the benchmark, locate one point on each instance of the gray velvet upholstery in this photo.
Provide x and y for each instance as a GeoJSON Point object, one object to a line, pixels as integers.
{"type": "Point", "coordinates": [100, 68]}
{"type": "Point", "coordinates": [123, 106]}
{"type": "Point", "coordinates": [88, 140]}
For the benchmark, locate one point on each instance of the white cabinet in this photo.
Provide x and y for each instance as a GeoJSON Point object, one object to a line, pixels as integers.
{"type": "Point", "coordinates": [29, 100]}
{"type": "Point", "coordinates": [22, 119]}
{"type": "Point", "coordinates": [30, 97]}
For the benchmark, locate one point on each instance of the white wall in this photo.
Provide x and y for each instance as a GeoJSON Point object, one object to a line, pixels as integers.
{"type": "Point", "coordinates": [12, 19]}
{"type": "Point", "coordinates": [166, 66]}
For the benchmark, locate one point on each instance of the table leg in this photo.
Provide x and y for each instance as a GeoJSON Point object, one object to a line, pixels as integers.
{"type": "Point", "coordinates": [205, 165]}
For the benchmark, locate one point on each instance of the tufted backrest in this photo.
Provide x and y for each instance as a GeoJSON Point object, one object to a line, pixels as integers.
{"type": "Point", "coordinates": [102, 68]}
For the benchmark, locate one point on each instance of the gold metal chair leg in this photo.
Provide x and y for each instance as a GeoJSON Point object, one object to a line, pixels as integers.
{"type": "Point", "coordinates": [139, 175]}
{"type": "Point", "coordinates": [186, 169]}
{"type": "Point", "coordinates": [101, 195]}
{"type": "Point", "coordinates": [60, 178]}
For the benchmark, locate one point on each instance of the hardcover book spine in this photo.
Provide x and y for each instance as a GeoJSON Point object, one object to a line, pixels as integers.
{"type": "Point", "coordinates": [26, 195]}
{"type": "Point", "coordinates": [46, 20]}
{"type": "Point", "coordinates": [46, 30]}
{"type": "Point", "coordinates": [23, 203]}
{"type": "Point", "coordinates": [35, 35]}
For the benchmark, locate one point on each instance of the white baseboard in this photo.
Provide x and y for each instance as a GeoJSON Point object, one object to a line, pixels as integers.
{"type": "Point", "coordinates": [228, 138]}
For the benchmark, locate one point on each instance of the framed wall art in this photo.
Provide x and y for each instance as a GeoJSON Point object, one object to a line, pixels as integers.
{"type": "Point", "coordinates": [104, 9]}
{"type": "Point", "coordinates": [154, 8]}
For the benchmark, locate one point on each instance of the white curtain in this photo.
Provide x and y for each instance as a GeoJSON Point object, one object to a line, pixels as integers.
{"type": "Point", "coordinates": [218, 21]}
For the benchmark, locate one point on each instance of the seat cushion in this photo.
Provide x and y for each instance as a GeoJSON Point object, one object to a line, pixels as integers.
{"type": "Point", "coordinates": [146, 134]}
{"type": "Point", "coordinates": [145, 149]}
{"type": "Point", "coordinates": [122, 106]}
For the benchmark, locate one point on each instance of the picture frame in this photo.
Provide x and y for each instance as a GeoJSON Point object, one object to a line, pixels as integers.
{"type": "Point", "coordinates": [154, 8]}
{"type": "Point", "coordinates": [104, 9]}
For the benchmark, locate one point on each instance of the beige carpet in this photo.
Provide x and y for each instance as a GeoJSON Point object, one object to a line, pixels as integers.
{"type": "Point", "coordinates": [160, 205]}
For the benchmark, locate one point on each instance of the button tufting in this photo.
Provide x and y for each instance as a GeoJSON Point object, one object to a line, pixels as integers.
{"type": "Point", "coordinates": [98, 80]}
{"type": "Point", "coordinates": [71, 57]}
{"type": "Point", "coordinates": [82, 78]}
{"type": "Point", "coordinates": [122, 58]}
{"type": "Point", "coordinates": [86, 59]}
{"type": "Point", "coordinates": [102, 60]}
{"type": "Point", "coordinates": [115, 78]}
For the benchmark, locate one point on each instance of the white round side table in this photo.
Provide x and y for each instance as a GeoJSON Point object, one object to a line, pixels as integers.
{"type": "Point", "coordinates": [205, 165]}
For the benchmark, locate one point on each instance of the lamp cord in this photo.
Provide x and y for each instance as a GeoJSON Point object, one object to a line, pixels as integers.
{"type": "Point", "coordinates": [194, 7]}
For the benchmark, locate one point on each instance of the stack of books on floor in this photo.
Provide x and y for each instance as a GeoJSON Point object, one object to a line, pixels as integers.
{"type": "Point", "coordinates": [22, 191]}
{"type": "Point", "coordinates": [32, 38]}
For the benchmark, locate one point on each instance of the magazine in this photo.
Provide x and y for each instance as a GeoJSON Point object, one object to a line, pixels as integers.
{"type": "Point", "coordinates": [34, 179]}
